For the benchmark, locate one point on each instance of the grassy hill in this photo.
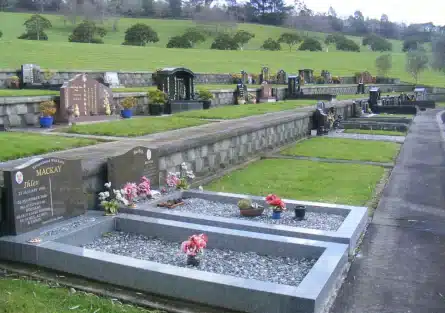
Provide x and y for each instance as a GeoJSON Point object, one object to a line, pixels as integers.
{"type": "Point", "coordinates": [58, 53]}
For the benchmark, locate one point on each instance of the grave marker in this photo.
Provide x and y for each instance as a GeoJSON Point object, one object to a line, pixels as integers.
{"type": "Point", "coordinates": [112, 79]}
{"type": "Point", "coordinates": [132, 165]}
{"type": "Point", "coordinates": [41, 191]}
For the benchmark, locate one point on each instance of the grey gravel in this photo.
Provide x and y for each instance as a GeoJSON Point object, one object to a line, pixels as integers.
{"type": "Point", "coordinates": [398, 139]}
{"type": "Point", "coordinates": [81, 220]}
{"type": "Point", "coordinates": [250, 265]}
{"type": "Point", "coordinates": [320, 221]}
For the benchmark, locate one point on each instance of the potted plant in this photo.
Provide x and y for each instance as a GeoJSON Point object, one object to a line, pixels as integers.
{"type": "Point", "coordinates": [300, 212]}
{"type": "Point", "coordinates": [47, 111]}
{"type": "Point", "coordinates": [14, 82]}
{"type": "Point", "coordinates": [206, 97]}
{"type": "Point", "coordinates": [127, 104]}
{"type": "Point", "coordinates": [182, 179]}
{"type": "Point", "coordinates": [249, 209]}
{"type": "Point", "coordinates": [193, 246]}
{"type": "Point", "coordinates": [251, 98]}
{"type": "Point", "coordinates": [277, 205]}
{"type": "Point", "coordinates": [110, 200]}
{"type": "Point", "coordinates": [158, 99]}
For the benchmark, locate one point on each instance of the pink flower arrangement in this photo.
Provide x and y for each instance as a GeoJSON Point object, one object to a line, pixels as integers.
{"type": "Point", "coordinates": [194, 245]}
{"type": "Point", "coordinates": [130, 191]}
{"type": "Point", "coordinates": [143, 189]}
{"type": "Point", "coordinates": [276, 203]}
{"type": "Point", "coordinates": [172, 180]}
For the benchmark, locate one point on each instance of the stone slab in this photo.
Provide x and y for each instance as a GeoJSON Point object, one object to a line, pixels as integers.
{"type": "Point", "coordinates": [348, 233]}
{"type": "Point", "coordinates": [246, 295]}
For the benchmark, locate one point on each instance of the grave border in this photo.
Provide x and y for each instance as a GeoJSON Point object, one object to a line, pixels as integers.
{"type": "Point", "coordinates": [59, 253]}
{"type": "Point", "coordinates": [349, 232]}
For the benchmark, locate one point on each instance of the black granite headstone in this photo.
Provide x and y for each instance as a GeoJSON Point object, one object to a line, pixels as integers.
{"type": "Point", "coordinates": [41, 191]}
{"type": "Point", "coordinates": [132, 165]}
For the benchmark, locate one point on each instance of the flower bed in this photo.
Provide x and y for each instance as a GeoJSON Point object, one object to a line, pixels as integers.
{"type": "Point", "coordinates": [250, 265]}
{"type": "Point", "coordinates": [313, 220]}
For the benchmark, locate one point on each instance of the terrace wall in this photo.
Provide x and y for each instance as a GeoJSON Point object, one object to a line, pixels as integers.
{"type": "Point", "coordinates": [24, 111]}
{"type": "Point", "coordinates": [207, 149]}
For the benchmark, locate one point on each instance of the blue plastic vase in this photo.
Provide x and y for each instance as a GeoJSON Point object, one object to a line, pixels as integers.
{"type": "Point", "coordinates": [127, 113]}
{"type": "Point", "coordinates": [46, 121]}
{"type": "Point", "coordinates": [276, 215]}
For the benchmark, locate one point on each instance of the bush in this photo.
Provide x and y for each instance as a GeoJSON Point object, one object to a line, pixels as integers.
{"type": "Point", "coordinates": [47, 108]}
{"type": "Point", "coordinates": [347, 45]}
{"type": "Point", "coordinates": [205, 95]}
{"type": "Point", "coordinates": [129, 102]}
{"type": "Point", "coordinates": [270, 44]}
{"type": "Point", "coordinates": [139, 35]}
{"type": "Point", "coordinates": [33, 36]}
{"type": "Point", "coordinates": [242, 37]}
{"type": "Point", "coordinates": [377, 43]}
{"type": "Point", "coordinates": [157, 96]}
{"type": "Point", "coordinates": [1, 34]}
{"type": "Point", "coordinates": [320, 80]}
{"type": "Point", "coordinates": [35, 27]}
{"type": "Point", "coordinates": [179, 42]}
{"type": "Point", "coordinates": [410, 45]}
{"type": "Point", "coordinates": [310, 44]}
{"type": "Point", "coordinates": [193, 35]}
{"type": "Point", "coordinates": [290, 39]}
{"type": "Point", "coordinates": [224, 42]}
{"type": "Point", "coordinates": [334, 38]}
{"type": "Point", "coordinates": [336, 80]}
{"type": "Point", "coordinates": [87, 32]}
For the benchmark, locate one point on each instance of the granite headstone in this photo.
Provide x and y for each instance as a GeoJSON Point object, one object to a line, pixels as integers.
{"type": "Point", "coordinates": [41, 191]}
{"type": "Point", "coordinates": [132, 165]}
{"type": "Point", "coordinates": [112, 79]}
{"type": "Point", "coordinates": [30, 74]}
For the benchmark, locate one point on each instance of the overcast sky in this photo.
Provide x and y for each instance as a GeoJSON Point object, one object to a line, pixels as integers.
{"type": "Point", "coordinates": [408, 11]}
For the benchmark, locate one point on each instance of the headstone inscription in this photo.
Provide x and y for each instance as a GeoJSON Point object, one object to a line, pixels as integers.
{"type": "Point", "coordinates": [41, 191]}
{"type": "Point", "coordinates": [84, 96]}
{"type": "Point", "coordinates": [132, 165]}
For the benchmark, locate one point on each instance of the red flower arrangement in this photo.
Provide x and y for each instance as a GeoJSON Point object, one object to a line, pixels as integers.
{"type": "Point", "coordinates": [194, 245]}
{"type": "Point", "coordinates": [276, 203]}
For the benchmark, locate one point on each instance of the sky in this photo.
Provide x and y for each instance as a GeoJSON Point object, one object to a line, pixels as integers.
{"type": "Point", "coordinates": [408, 11]}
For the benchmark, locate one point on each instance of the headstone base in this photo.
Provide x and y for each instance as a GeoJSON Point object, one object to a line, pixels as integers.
{"type": "Point", "coordinates": [268, 100]}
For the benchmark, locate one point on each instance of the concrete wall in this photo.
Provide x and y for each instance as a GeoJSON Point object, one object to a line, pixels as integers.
{"type": "Point", "coordinates": [24, 111]}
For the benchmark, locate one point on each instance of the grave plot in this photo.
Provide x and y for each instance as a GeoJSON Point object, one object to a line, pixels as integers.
{"type": "Point", "coordinates": [302, 219]}
{"type": "Point", "coordinates": [344, 149]}
{"type": "Point", "coordinates": [259, 273]}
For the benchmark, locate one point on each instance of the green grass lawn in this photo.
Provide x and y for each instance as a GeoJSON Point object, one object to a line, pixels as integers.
{"type": "Point", "coordinates": [18, 145]}
{"type": "Point", "coordinates": [345, 149]}
{"type": "Point", "coordinates": [135, 127]}
{"type": "Point", "coordinates": [375, 132]}
{"type": "Point", "coordinates": [304, 180]}
{"type": "Point", "coordinates": [58, 53]}
{"type": "Point", "coordinates": [244, 110]}
{"type": "Point", "coordinates": [27, 296]}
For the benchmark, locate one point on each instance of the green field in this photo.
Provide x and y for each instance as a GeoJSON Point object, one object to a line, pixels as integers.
{"type": "Point", "coordinates": [19, 145]}
{"type": "Point", "coordinates": [59, 54]}
{"type": "Point", "coordinates": [345, 149]}
{"type": "Point", "coordinates": [294, 179]}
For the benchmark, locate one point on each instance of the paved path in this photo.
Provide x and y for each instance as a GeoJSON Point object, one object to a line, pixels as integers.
{"type": "Point", "coordinates": [401, 265]}
{"type": "Point", "coordinates": [399, 139]}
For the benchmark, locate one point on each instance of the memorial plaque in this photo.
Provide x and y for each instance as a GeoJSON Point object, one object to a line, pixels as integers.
{"type": "Point", "coordinates": [112, 79]}
{"type": "Point", "coordinates": [131, 166]}
{"type": "Point", "coordinates": [42, 191]}
{"type": "Point", "coordinates": [84, 96]}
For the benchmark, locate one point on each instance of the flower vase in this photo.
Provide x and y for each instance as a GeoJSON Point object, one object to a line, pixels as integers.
{"type": "Point", "coordinates": [300, 212]}
{"type": "Point", "coordinates": [132, 205]}
{"type": "Point", "coordinates": [276, 215]}
{"type": "Point", "coordinates": [192, 260]}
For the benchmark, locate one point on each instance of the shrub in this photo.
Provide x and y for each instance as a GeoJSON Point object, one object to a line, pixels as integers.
{"type": "Point", "coordinates": [205, 95]}
{"type": "Point", "coordinates": [88, 32]}
{"type": "Point", "coordinates": [1, 34]}
{"type": "Point", "coordinates": [139, 35]}
{"type": "Point", "coordinates": [320, 80]}
{"type": "Point", "coordinates": [34, 36]}
{"type": "Point", "coordinates": [47, 108]}
{"type": "Point", "coordinates": [334, 38]}
{"type": "Point", "coordinates": [347, 45]}
{"type": "Point", "coordinates": [157, 96]}
{"type": "Point", "coordinates": [129, 102]}
{"type": "Point", "coordinates": [290, 39]}
{"type": "Point", "coordinates": [310, 44]}
{"type": "Point", "coordinates": [242, 37]}
{"type": "Point", "coordinates": [377, 43]}
{"type": "Point", "coordinates": [179, 42]}
{"type": "Point", "coordinates": [224, 42]}
{"type": "Point", "coordinates": [270, 44]}
{"type": "Point", "coordinates": [410, 45]}
{"type": "Point", "coordinates": [336, 80]}
{"type": "Point", "coordinates": [194, 36]}
{"type": "Point", "coordinates": [35, 27]}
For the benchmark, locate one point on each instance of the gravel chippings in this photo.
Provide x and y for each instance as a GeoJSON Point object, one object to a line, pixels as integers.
{"type": "Point", "coordinates": [281, 270]}
{"type": "Point", "coordinates": [82, 220]}
{"type": "Point", "coordinates": [320, 221]}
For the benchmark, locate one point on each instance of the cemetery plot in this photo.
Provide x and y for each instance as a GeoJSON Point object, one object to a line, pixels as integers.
{"type": "Point", "coordinates": [375, 132]}
{"type": "Point", "coordinates": [258, 273]}
{"type": "Point", "coordinates": [345, 149]}
{"type": "Point", "coordinates": [135, 127]}
{"type": "Point", "coordinates": [15, 145]}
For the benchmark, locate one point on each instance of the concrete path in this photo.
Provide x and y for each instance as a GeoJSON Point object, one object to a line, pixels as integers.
{"type": "Point", "coordinates": [401, 265]}
{"type": "Point", "coordinates": [398, 139]}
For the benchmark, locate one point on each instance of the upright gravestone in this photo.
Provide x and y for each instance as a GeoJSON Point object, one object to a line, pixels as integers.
{"type": "Point", "coordinates": [112, 79]}
{"type": "Point", "coordinates": [132, 165]}
{"type": "Point", "coordinates": [84, 96]}
{"type": "Point", "coordinates": [41, 191]}
{"type": "Point", "coordinates": [264, 76]}
{"type": "Point", "coordinates": [281, 77]}
{"type": "Point", "coordinates": [31, 74]}
{"type": "Point", "coordinates": [244, 77]}
{"type": "Point", "coordinates": [266, 93]}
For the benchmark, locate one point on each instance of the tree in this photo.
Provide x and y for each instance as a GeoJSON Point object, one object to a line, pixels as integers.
{"type": "Point", "coordinates": [179, 42]}
{"type": "Point", "coordinates": [270, 44]}
{"type": "Point", "coordinates": [377, 43]}
{"type": "Point", "coordinates": [346, 44]}
{"type": "Point", "coordinates": [290, 39]}
{"type": "Point", "coordinates": [383, 64]}
{"type": "Point", "coordinates": [139, 35]}
{"type": "Point", "coordinates": [175, 8]}
{"type": "Point", "coordinates": [224, 42]}
{"type": "Point", "coordinates": [242, 37]}
{"type": "Point", "coordinates": [1, 34]}
{"type": "Point", "coordinates": [35, 27]}
{"type": "Point", "coordinates": [410, 44]}
{"type": "Point", "coordinates": [439, 54]}
{"type": "Point", "coordinates": [194, 35]}
{"type": "Point", "coordinates": [416, 62]}
{"type": "Point", "coordinates": [87, 32]}
{"type": "Point", "coordinates": [310, 44]}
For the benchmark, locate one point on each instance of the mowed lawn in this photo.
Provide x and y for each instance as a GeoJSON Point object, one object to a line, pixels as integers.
{"type": "Point", "coordinates": [244, 110]}
{"type": "Point", "coordinates": [135, 127]}
{"type": "Point", "coordinates": [375, 132]}
{"type": "Point", "coordinates": [304, 180]}
{"type": "Point", "coordinates": [345, 149]}
{"type": "Point", "coordinates": [27, 296]}
{"type": "Point", "coordinates": [16, 145]}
